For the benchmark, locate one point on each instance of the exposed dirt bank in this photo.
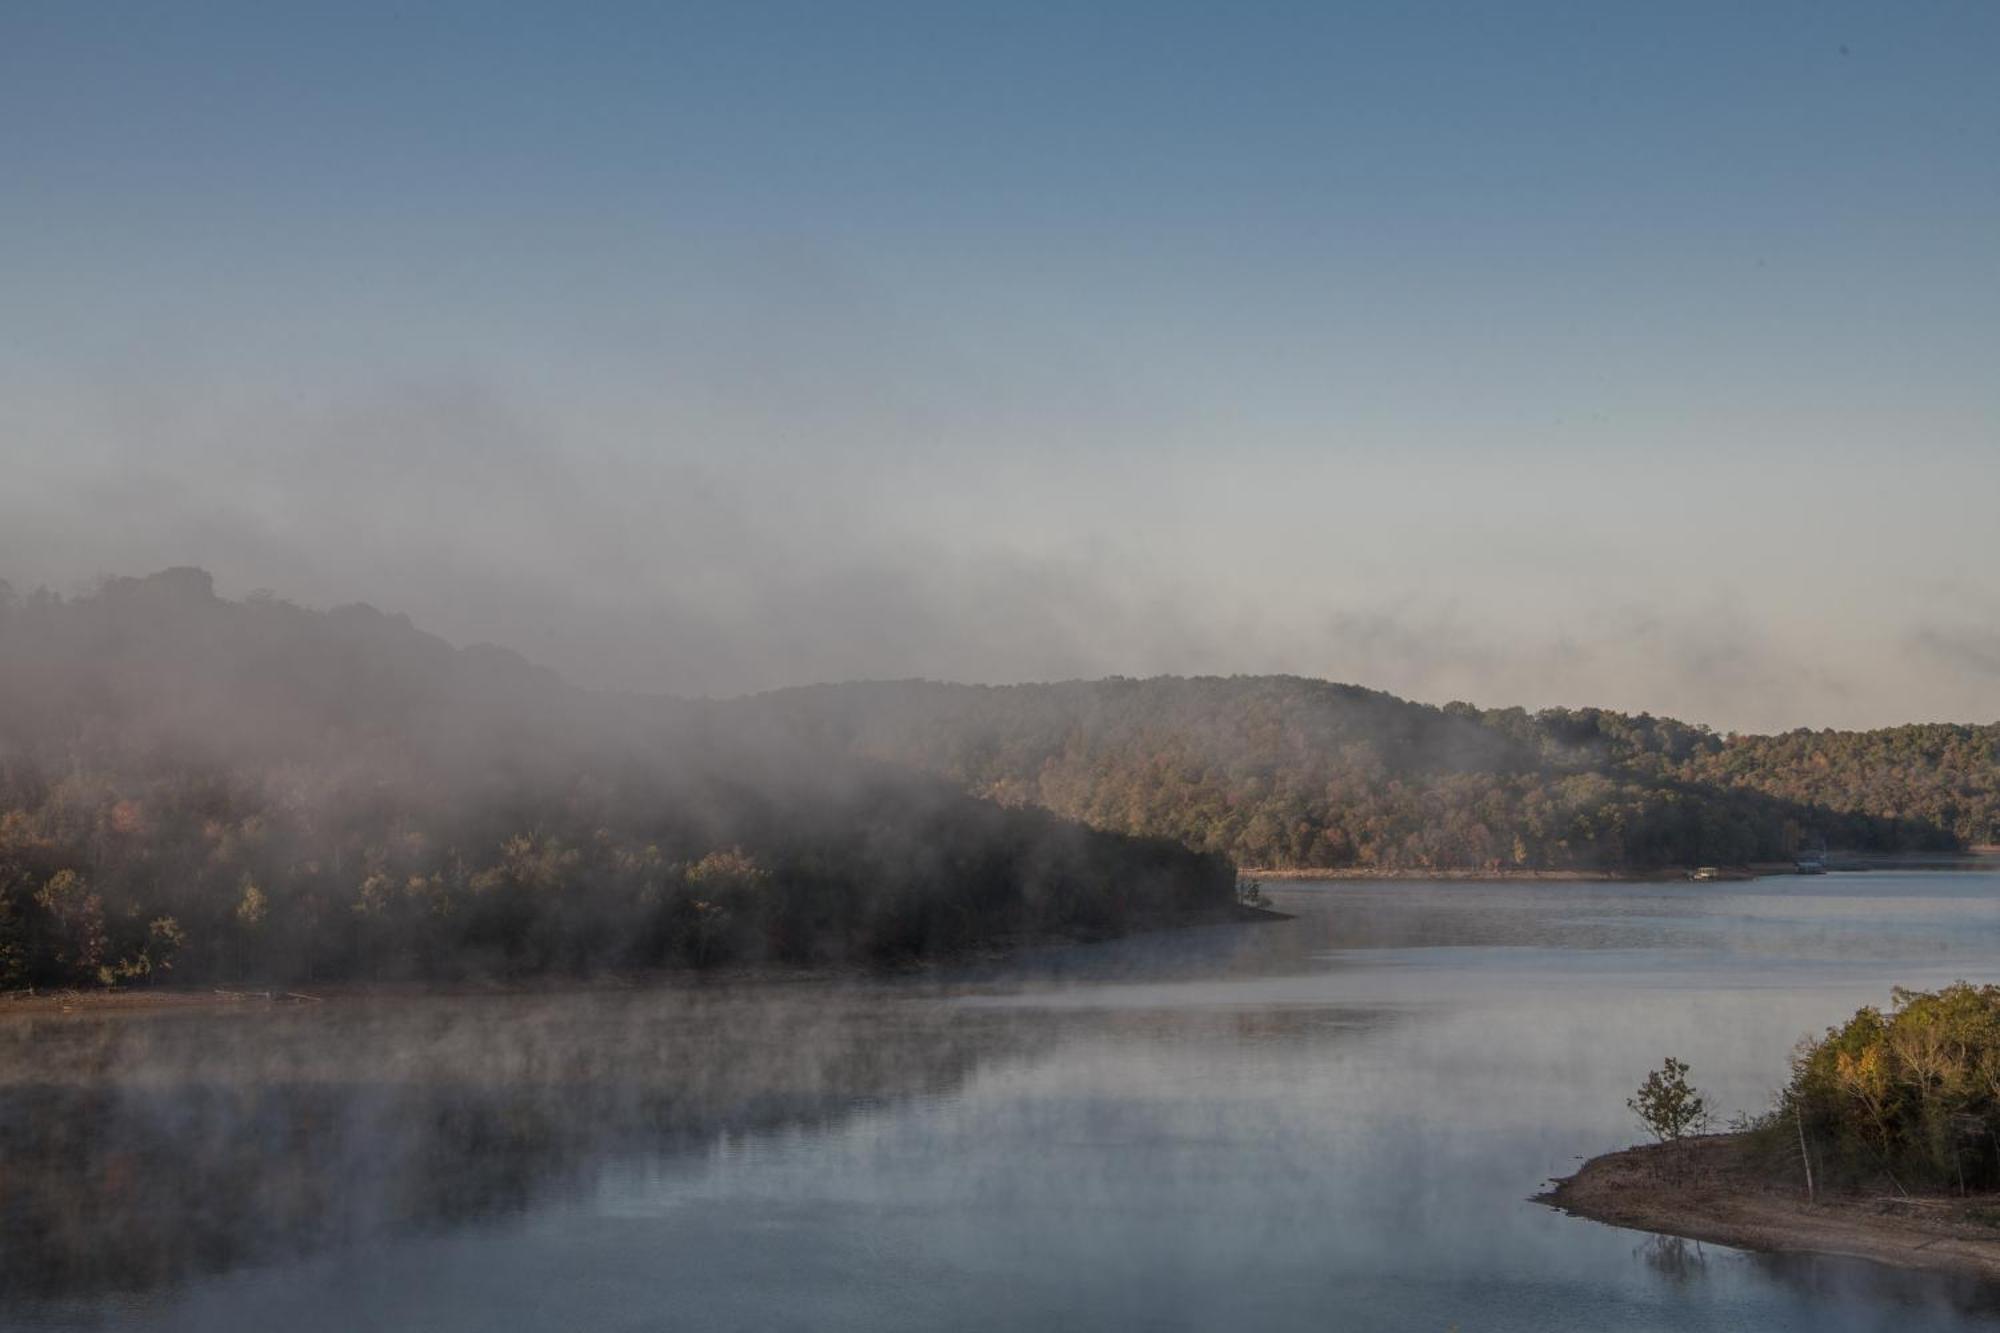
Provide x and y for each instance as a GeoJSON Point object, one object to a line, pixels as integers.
{"type": "Point", "coordinates": [1712, 1190]}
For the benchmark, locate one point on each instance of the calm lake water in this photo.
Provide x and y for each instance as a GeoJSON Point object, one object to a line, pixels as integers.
{"type": "Point", "coordinates": [1328, 1123]}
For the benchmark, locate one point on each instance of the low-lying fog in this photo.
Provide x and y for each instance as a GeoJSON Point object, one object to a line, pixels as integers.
{"type": "Point", "coordinates": [1255, 1124]}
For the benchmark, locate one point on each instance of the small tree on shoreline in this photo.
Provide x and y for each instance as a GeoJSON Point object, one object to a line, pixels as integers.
{"type": "Point", "coordinates": [1668, 1105]}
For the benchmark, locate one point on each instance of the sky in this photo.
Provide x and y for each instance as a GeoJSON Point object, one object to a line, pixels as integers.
{"type": "Point", "coordinates": [1641, 356]}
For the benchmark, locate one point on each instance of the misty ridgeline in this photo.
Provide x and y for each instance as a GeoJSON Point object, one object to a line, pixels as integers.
{"type": "Point", "coordinates": [193, 788]}
{"type": "Point", "coordinates": [205, 789]}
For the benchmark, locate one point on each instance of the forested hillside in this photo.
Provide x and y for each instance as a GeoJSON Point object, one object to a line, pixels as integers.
{"type": "Point", "coordinates": [201, 789]}
{"type": "Point", "coordinates": [1290, 772]}
{"type": "Point", "coordinates": [1942, 777]}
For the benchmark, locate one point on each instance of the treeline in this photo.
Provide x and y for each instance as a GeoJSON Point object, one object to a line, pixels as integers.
{"type": "Point", "coordinates": [1906, 1099]}
{"type": "Point", "coordinates": [1286, 772]}
{"type": "Point", "coordinates": [1932, 781]}
{"type": "Point", "coordinates": [211, 790]}
{"type": "Point", "coordinates": [110, 879]}
{"type": "Point", "coordinates": [249, 790]}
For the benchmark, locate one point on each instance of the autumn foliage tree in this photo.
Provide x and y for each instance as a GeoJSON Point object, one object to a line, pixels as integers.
{"type": "Point", "coordinates": [1909, 1097]}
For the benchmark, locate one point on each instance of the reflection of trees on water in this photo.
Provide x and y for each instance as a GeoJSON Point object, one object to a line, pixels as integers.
{"type": "Point", "coordinates": [1839, 1282]}
{"type": "Point", "coordinates": [139, 1150]}
{"type": "Point", "coordinates": [1674, 1258]}
{"type": "Point", "coordinates": [1830, 1280]}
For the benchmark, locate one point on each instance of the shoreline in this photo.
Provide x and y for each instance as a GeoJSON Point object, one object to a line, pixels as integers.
{"type": "Point", "coordinates": [292, 994]}
{"type": "Point", "coordinates": [1502, 876]}
{"type": "Point", "coordinates": [1978, 859]}
{"type": "Point", "coordinates": [1713, 1191]}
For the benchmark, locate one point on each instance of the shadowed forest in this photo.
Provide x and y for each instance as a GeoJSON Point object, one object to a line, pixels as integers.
{"type": "Point", "coordinates": [197, 789]}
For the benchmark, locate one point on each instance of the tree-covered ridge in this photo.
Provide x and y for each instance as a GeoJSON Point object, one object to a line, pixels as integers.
{"type": "Point", "coordinates": [1279, 771]}
{"type": "Point", "coordinates": [206, 789]}
{"type": "Point", "coordinates": [1934, 775]}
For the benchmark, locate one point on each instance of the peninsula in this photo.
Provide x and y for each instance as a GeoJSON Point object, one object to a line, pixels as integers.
{"type": "Point", "coordinates": [1883, 1146]}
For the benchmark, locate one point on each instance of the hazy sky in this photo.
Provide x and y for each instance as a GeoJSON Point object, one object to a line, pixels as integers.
{"type": "Point", "coordinates": [1639, 355]}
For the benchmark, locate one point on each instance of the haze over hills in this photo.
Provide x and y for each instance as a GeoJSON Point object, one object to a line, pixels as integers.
{"type": "Point", "coordinates": [1281, 771]}
{"type": "Point", "coordinates": [222, 789]}
{"type": "Point", "coordinates": [243, 788]}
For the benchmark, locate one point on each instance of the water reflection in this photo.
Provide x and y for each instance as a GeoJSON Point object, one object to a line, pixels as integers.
{"type": "Point", "coordinates": [140, 1149]}
{"type": "Point", "coordinates": [1888, 1292]}
{"type": "Point", "coordinates": [1675, 1258]}
{"type": "Point", "coordinates": [1332, 1122]}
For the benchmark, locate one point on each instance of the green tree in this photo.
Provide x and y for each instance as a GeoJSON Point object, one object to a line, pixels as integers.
{"type": "Point", "coordinates": [1668, 1105]}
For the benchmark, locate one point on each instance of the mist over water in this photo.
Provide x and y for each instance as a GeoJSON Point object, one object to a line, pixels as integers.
{"type": "Point", "coordinates": [697, 613]}
{"type": "Point", "coordinates": [1332, 1120]}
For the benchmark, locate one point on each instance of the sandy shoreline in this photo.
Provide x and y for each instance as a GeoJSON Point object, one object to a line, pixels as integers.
{"type": "Point", "coordinates": [1720, 1196]}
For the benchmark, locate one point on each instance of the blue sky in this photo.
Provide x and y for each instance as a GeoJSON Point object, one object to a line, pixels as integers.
{"type": "Point", "coordinates": [1636, 355]}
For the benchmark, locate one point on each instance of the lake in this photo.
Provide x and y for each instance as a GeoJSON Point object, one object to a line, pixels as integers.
{"type": "Point", "coordinates": [1333, 1122]}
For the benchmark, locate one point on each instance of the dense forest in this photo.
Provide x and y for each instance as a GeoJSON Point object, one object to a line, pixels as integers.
{"type": "Point", "coordinates": [1278, 772]}
{"type": "Point", "coordinates": [200, 789]}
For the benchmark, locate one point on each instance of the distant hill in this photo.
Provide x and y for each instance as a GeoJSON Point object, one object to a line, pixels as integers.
{"type": "Point", "coordinates": [197, 788]}
{"type": "Point", "coordinates": [1280, 771]}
